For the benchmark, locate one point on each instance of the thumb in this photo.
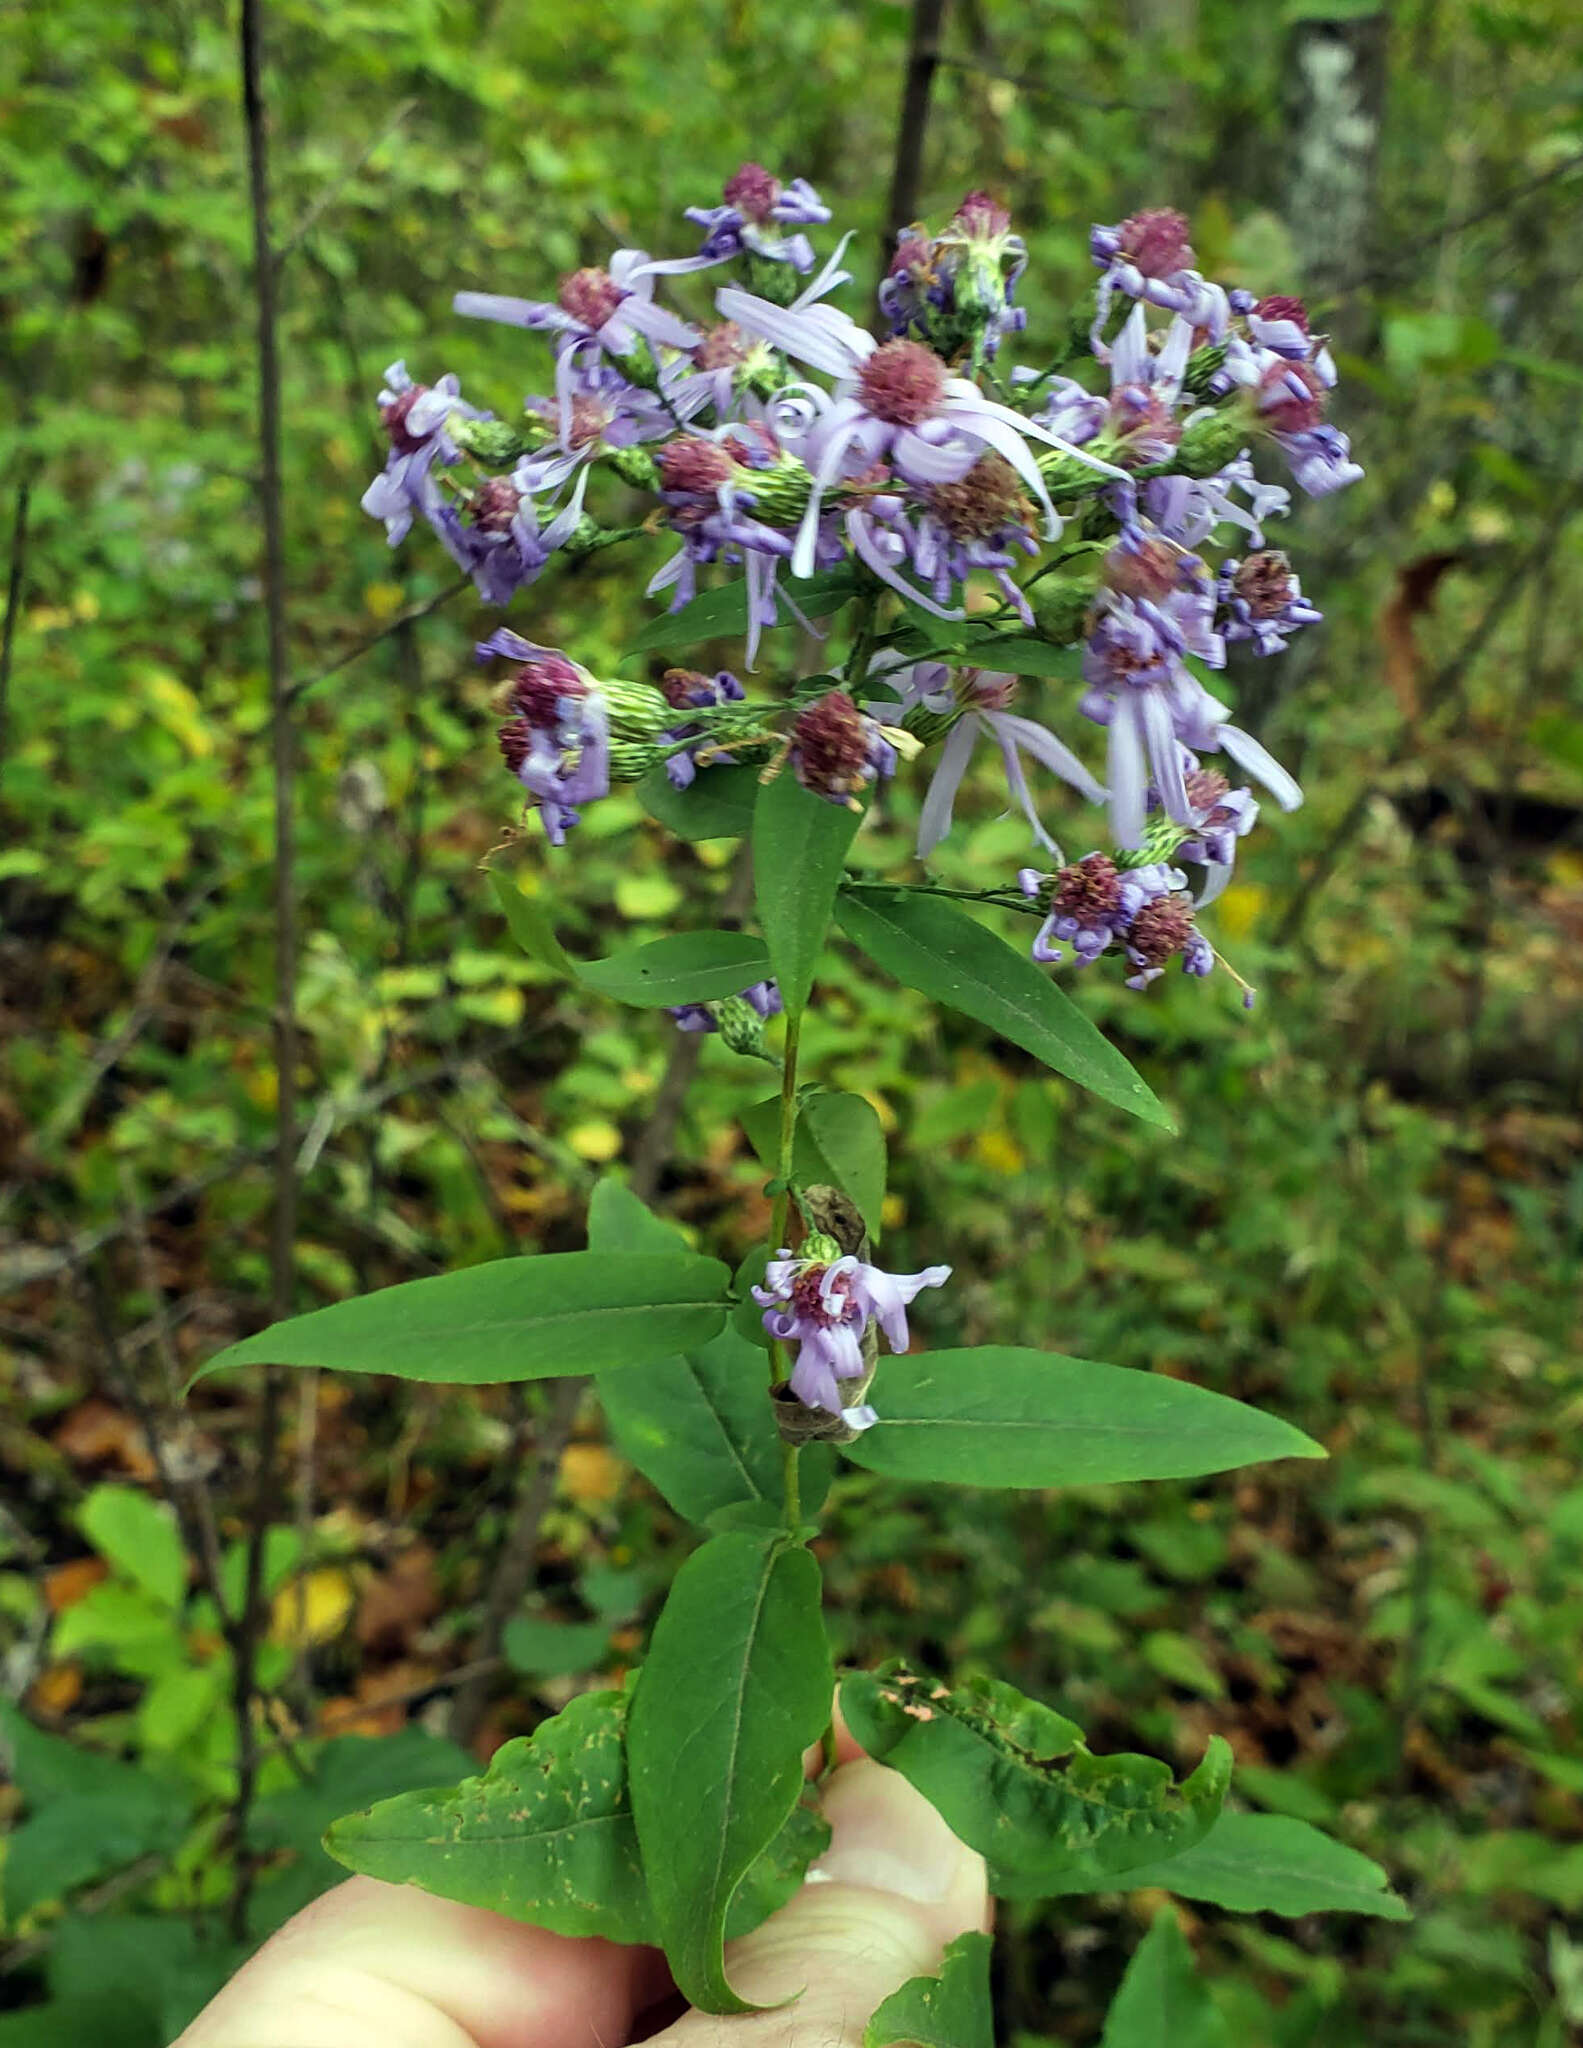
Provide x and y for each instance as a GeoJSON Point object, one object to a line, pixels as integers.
{"type": "Point", "coordinates": [892, 1889]}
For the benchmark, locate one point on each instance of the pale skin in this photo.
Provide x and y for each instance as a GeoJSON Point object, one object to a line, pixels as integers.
{"type": "Point", "coordinates": [374, 1965]}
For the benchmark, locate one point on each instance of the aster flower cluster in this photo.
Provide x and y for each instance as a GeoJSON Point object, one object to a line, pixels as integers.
{"type": "Point", "coordinates": [978, 512]}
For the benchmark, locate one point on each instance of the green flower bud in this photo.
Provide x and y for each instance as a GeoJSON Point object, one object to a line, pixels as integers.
{"type": "Point", "coordinates": [742, 1028]}
{"type": "Point", "coordinates": [821, 1247]}
{"type": "Point", "coordinates": [637, 710]}
{"type": "Point", "coordinates": [497, 444]}
{"type": "Point", "coordinates": [1201, 366]}
{"type": "Point", "coordinates": [780, 493]}
{"type": "Point", "coordinates": [1161, 837]}
{"type": "Point", "coordinates": [634, 466]}
{"type": "Point", "coordinates": [1060, 605]}
{"type": "Point", "coordinates": [1210, 442]}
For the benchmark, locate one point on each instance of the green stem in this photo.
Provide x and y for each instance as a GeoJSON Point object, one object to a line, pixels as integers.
{"type": "Point", "coordinates": [863, 639]}
{"type": "Point", "coordinates": [790, 1453]}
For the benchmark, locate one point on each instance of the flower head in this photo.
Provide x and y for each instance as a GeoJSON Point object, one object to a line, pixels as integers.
{"type": "Point", "coordinates": [954, 290]}
{"type": "Point", "coordinates": [1261, 601]}
{"type": "Point", "coordinates": [836, 749]}
{"type": "Point", "coordinates": [1094, 906]}
{"type": "Point", "coordinates": [822, 1301]}
{"type": "Point", "coordinates": [752, 223]}
{"type": "Point", "coordinates": [1148, 257]}
{"type": "Point", "coordinates": [414, 418]}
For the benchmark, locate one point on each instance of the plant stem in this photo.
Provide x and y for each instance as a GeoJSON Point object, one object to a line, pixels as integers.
{"type": "Point", "coordinates": [13, 598]}
{"type": "Point", "coordinates": [790, 1453]}
{"type": "Point", "coordinates": [788, 1133]}
{"type": "Point", "coordinates": [282, 1258]}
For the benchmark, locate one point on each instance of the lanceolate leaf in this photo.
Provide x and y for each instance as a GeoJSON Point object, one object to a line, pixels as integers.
{"type": "Point", "coordinates": [546, 1835]}
{"type": "Point", "coordinates": [1023, 654]}
{"type": "Point", "coordinates": [1004, 1416]}
{"type": "Point", "coordinates": [514, 1319]}
{"type": "Point", "coordinates": [1016, 1782]}
{"type": "Point", "coordinates": [723, 613]}
{"type": "Point", "coordinates": [1161, 2003]}
{"type": "Point", "coordinates": [737, 1685]}
{"type": "Point", "coordinates": [799, 849]}
{"type": "Point", "coordinates": [934, 947]}
{"type": "Point", "coordinates": [697, 1426]}
{"type": "Point", "coordinates": [716, 804]}
{"type": "Point", "coordinates": [839, 1143]}
{"type": "Point", "coordinates": [948, 2011]}
{"type": "Point", "coordinates": [1265, 1863]}
{"type": "Point", "coordinates": [689, 967]}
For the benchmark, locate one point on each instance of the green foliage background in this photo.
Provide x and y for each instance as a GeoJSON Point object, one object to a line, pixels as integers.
{"type": "Point", "coordinates": [1372, 1222]}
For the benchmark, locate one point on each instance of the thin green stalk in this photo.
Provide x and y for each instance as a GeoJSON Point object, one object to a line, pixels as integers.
{"type": "Point", "coordinates": [779, 1216]}
{"type": "Point", "coordinates": [790, 1453]}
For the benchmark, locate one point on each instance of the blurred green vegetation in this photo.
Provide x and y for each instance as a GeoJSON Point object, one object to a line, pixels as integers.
{"type": "Point", "coordinates": [1372, 1221]}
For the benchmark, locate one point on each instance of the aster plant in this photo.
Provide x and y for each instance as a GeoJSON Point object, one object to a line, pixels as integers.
{"type": "Point", "coordinates": [950, 510]}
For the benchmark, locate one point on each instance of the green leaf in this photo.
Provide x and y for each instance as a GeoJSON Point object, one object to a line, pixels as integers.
{"type": "Point", "coordinates": [531, 925]}
{"type": "Point", "coordinates": [722, 613]}
{"type": "Point", "coordinates": [939, 950]}
{"type": "Point", "coordinates": [513, 1319]}
{"type": "Point", "coordinates": [799, 851]}
{"type": "Point", "coordinates": [1004, 1416]}
{"type": "Point", "coordinates": [736, 1686]}
{"type": "Point", "coordinates": [139, 1537]}
{"type": "Point", "coordinates": [554, 1649]}
{"type": "Point", "coordinates": [1024, 654]}
{"type": "Point", "coordinates": [688, 967]}
{"type": "Point", "coordinates": [1015, 1781]}
{"type": "Point", "coordinates": [546, 1835]}
{"type": "Point", "coordinates": [1161, 2003]}
{"type": "Point", "coordinates": [697, 1426]}
{"type": "Point", "coordinates": [839, 1143]}
{"type": "Point", "coordinates": [1265, 1863]}
{"type": "Point", "coordinates": [951, 2010]}
{"type": "Point", "coordinates": [88, 1815]}
{"type": "Point", "coordinates": [349, 1770]}
{"type": "Point", "coordinates": [716, 804]}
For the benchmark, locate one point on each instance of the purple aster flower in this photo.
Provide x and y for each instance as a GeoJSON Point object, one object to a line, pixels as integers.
{"type": "Point", "coordinates": [894, 402]}
{"type": "Point", "coordinates": [1159, 608]}
{"type": "Point", "coordinates": [495, 535]}
{"type": "Point", "coordinates": [1261, 601]}
{"type": "Point", "coordinates": [1093, 906]}
{"type": "Point", "coordinates": [1090, 903]}
{"type": "Point", "coordinates": [687, 689]}
{"type": "Point", "coordinates": [757, 210]}
{"type": "Point", "coordinates": [836, 749]}
{"type": "Point", "coordinates": [1188, 509]}
{"type": "Point", "coordinates": [764, 997]}
{"type": "Point", "coordinates": [414, 418]}
{"type": "Point", "coordinates": [1222, 815]}
{"type": "Point", "coordinates": [556, 740]}
{"type": "Point", "coordinates": [602, 411]}
{"type": "Point", "coordinates": [945, 533]}
{"type": "Point", "coordinates": [1145, 385]}
{"type": "Point", "coordinates": [955, 290]}
{"type": "Point", "coordinates": [712, 487]}
{"type": "Point", "coordinates": [977, 706]}
{"type": "Point", "coordinates": [1148, 256]}
{"type": "Point", "coordinates": [1076, 414]}
{"type": "Point", "coordinates": [1321, 460]}
{"type": "Point", "coordinates": [822, 1302]}
{"type": "Point", "coordinates": [596, 312]}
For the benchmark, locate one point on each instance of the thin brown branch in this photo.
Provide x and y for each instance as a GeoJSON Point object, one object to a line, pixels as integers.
{"type": "Point", "coordinates": [283, 1228]}
{"type": "Point", "coordinates": [332, 193]}
{"type": "Point", "coordinates": [912, 121]}
{"type": "Point", "coordinates": [356, 653]}
{"type": "Point", "coordinates": [15, 582]}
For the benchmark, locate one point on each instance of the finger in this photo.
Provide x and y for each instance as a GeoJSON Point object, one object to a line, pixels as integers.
{"type": "Point", "coordinates": [893, 1888]}
{"type": "Point", "coordinates": [374, 1965]}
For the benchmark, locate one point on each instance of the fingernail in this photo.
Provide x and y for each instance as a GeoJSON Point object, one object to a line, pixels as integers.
{"type": "Point", "coordinates": [887, 1837]}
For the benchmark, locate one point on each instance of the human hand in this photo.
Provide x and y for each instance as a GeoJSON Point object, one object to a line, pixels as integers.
{"type": "Point", "coordinates": [375, 1965]}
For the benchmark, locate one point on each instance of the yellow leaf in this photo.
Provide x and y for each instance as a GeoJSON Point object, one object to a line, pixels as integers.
{"type": "Point", "coordinates": [178, 710]}
{"type": "Point", "coordinates": [591, 1475]}
{"type": "Point", "coordinates": [312, 1608]}
{"type": "Point", "coordinates": [384, 600]}
{"type": "Point", "coordinates": [1239, 909]}
{"type": "Point", "coordinates": [996, 1150]}
{"type": "Point", "coordinates": [596, 1140]}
